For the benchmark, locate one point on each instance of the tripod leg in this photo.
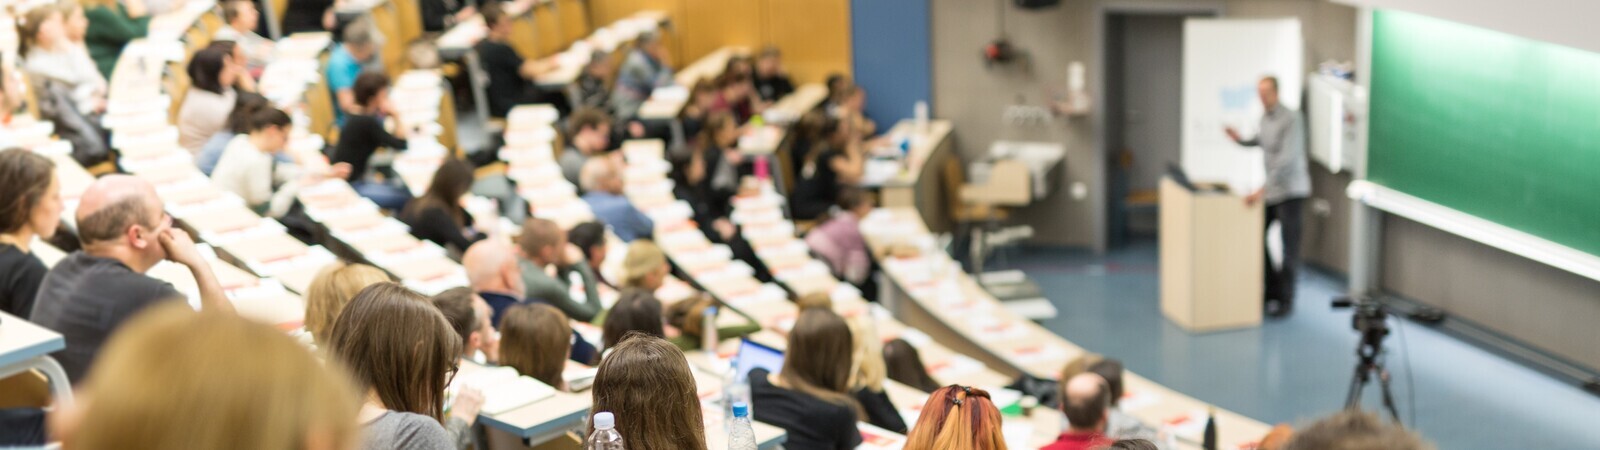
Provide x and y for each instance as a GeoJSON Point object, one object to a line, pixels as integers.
{"type": "Point", "coordinates": [1353, 399]}
{"type": "Point", "coordinates": [1388, 396]}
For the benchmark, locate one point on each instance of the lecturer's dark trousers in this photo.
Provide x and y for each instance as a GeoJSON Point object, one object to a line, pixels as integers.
{"type": "Point", "coordinates": [1280, 283]}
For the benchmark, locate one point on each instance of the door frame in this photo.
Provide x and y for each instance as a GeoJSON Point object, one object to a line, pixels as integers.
{"type": "Point", "coordinates": [1097, 85]}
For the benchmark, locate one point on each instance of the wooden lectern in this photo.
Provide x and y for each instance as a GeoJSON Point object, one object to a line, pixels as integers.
{"type": "Point", "coordinates": [1211, 258]}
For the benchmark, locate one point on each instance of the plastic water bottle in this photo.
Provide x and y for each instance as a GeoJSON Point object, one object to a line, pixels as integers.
{"type": "Point", "coordinates": [708, 331]}
{"type": "Point", "coordinates": [605, 435]}
{"type": "Point", "coordinates": [740, 435]}
{"type": "Point", "coordinates": [734, 390]}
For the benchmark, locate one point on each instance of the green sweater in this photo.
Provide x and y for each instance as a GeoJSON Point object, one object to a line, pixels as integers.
{"type": "Point", "coordinates": [109, 31]}
{"type": "Point", "coordinates": [557, 291]}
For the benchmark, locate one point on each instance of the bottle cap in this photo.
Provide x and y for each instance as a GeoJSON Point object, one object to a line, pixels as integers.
{"type": "Point", "coordinates": [604, 421]}
{"type": "Point", "coordinates": [741, 409]}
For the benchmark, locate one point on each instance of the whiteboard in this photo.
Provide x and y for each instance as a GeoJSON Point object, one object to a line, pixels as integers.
{"type": "Point", "coordinates": [1223, 59]}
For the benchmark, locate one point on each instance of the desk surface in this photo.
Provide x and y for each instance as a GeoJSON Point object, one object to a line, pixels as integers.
{"type": "Point", "coordinates": [21, 340]}
{"type": "Point", "coordinates": [922, 144]}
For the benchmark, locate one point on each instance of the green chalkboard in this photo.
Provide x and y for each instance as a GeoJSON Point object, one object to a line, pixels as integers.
{"type": "Point", "coordinates": [1494, 125]}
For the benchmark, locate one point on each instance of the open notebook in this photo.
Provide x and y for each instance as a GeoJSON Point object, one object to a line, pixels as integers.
{"type": "Point", "coordinates": [503, 388]}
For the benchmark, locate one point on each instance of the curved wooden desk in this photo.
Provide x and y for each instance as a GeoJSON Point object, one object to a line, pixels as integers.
{"type": "Point", "coordinates": [930, 292]}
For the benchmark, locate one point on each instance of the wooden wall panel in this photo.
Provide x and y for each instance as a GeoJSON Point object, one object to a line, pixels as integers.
{"type": "Point", "coordinates": [575, 23]}
{"type": "Point", "coordinates": [712, 24]}
{"type": "Point", "coordinates": [814, 36]}
{"type": "Point", "coordinates": [547, 29]}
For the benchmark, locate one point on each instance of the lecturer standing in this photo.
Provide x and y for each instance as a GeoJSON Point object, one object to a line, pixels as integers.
{"type": "Point", "coordinates": [1282, 137]}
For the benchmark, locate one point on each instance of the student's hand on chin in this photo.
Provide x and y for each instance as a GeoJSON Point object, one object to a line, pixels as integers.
{"type": "Point", "coordinates": [180, 247]}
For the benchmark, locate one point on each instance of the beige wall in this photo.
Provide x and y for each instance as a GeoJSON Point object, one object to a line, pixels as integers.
{"type": "Point", "coordinates": [814, 35]}
{"type": "Point", "coordinates": [974, 96]}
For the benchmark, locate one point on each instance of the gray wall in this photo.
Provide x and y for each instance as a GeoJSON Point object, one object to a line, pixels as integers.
{"type": "Point", "coordinates": [975, 96]}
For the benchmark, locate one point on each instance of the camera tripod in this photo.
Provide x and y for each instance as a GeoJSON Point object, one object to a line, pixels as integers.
{"type": "Point", "coordinates": [1371, 320]}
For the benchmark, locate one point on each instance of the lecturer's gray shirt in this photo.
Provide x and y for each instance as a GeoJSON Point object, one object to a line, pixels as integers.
{"type": "Point", "coordinates": [1283, 138]}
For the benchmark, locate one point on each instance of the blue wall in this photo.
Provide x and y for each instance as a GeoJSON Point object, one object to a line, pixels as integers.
{"type": "Point", "coordinates": [890, 45]}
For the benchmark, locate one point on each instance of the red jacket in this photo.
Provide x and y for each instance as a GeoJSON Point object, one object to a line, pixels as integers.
{"type": "Point", "coordinates": [1079, 441]}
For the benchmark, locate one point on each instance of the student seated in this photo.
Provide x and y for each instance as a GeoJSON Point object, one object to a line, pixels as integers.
{"type": "Point", "coordinates": [308, 15]}
{"type": "Point", "coordinates": [836, 83]}
{"type": "Point", "coordinates": [511, 78]}
{"type": "Point", "coordinates": [703, 97]}
{"type": "Point", "coordinates": [904, 365]}
{"type": "Point", "coordinates": [636, 311]}
{"type": "Point", "coordinates": [734, 96]}
{"type": "Point", "coordinates": [588, 135]}
{"type": "Point", "coordinates": [644, 266]}
{"type": "Point", "coordinates": [687, 318]}
{"type": "Point", "coordinates": [647, 385]}
{"type": "Point", "coordinates": [48, 50]}
{"type": "Point", "coordinates": [544, 245]}
{"type": "Point", "coordinates": [866, 384]}
{"type": "Point", "coordinates": [112, 24]}
{"type": "Point", "coordinates": [402, 353]}
{"type": "Point", "coordinates": [250, 169]}
{"type": "Point", "coordinates": [240, 18]}
{"type": "Point", "coordinates": [212, 394]}
{"type": "Point", "coordinates": [440, 15]}
{"type": "Point", "coordinates": [590, 238]}
{"type": "Point", "coordinates": [602, 190]}
{"type": "Point", "coordinates": [124, 233]}
{"type": "Point", "coordinates": [645, 70]}
{"type": "Point", "coordinates": [330, 291]}
{"type": "Point", "coordinates": [1119, 424]}
{"type": "Point", "coordinates": [361, 136]}
{"type": "Point", "coordinates": [469, 316]}
{"type": "Point", "coordinates": [210, 98]}
{"type": "Point", "coordinates": [827, 167]}
{"type": "Point", "coordinates": [838, 239]}
{"type": "Point", "coordinates": [536, 339]}
{"type": "Point", "coordinates": [810, 399]}
{"type": "Point", "coordinates": [492, 270]}
{"type": "Point", "coordinates": [30, 209]}
{"type": "Point", "coordinates": [772, 82]}
{"type": "Point", "coordinates": [852, 104]}
{"type": "Point", "coordinates": [591, 89]}
{"type": "Point", "coordinates": [739, 65]}
{"type": "Point", "coordinates": [13, 97]}
{"type": "Point", "coordinates": [357, 50]}
{"type": "Point", "coordinates": [238, 123]}
{"type": "Point", "coordinates": [708, 177]}
{"type": "Point", "coordinates": [1085, 399]}
{"type": "Point", "coordinates": [1350, 429]}
{"type": "Point", "coordinates": [958, 417]}
{"type": "Point", "coordinates": [438, 215]}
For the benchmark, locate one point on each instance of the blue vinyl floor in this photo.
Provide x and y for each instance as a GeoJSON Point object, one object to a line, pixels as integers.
{"type": "Point", "coordinates": [1297, 369]}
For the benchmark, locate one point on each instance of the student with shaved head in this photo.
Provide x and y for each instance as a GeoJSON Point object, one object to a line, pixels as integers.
{"type": "Point", "coordinates": [493, 273]}
{"type": "Point", "coordinates": [90, 293]}
{"type": "Point", "coordinates": [1086, 400]}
